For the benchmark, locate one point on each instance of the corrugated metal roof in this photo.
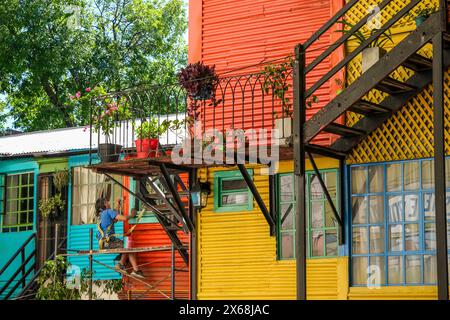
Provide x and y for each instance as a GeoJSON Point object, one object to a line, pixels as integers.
{"type": "Point", "coordinates": [63, 140]}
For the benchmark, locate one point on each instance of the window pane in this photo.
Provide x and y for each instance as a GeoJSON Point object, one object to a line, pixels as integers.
{"type": "Point", "coordinates": [317, 242]}
{"type": "Point", "coordinates": [331, 183]}
{"type": "Point", "coordinates": [411, 207]}
{"type": "Point", "coordinates": [428, 206]}
{"type": "Point", "coordinates": [360, 240]}
{"type": "Point", "coordinates": [428, 174]}
{"type": "Point", "coordinates": [359, 180]}
{"type": "Point", "coordinates": [376, 209]}
{"type": "Point", "coordinates": [316, 188]}
{"type": "Point", "coordinates": [317, 214]}
{"type": "Point", "coordinates": [395, 208]}
{"type": "Point", "coordinates": [235, 199]}
{"type": "Point", "coordinates": [286, 188]}
{"type": "Point", "coordinates": [377, 271]}
{"type": "Point", "coordinates": [376, 239]}
{"type": "Point", "coordinates": [447, 172]}
{"type": "Point", "coordinates": [411, 237]}
{"type": "Point", "coordinates": [412, 175]}
{"type": "Point", "coordinates": [330, 220]}
{"type": "Point", "coordinates": [331, 243]}
{"type": "Point", "coordinates": [359, 270]}
{"type": "Point", "coordinates": [287, 245]}
{"type": "Point", "coordinates": [376, 179]}
{"type": "Point", "coordinates": [413, 269]}
{"type": "Point", "coordinates": [429, 269]}
{"type": "Point", "coordinates": [394, 177]}
{"type": "Point", "coordinates": [238, 184]}
{"type": "Point", "coordinates": [395, 270]}
{"type": "Point", "coordinates": [396, 237]}
{"type": "Point", "coordinates": [359, 210]}
{"type": "Point", "coordinates": [430, 236]}
{"type": "Point", "coordinates": [287, 216]}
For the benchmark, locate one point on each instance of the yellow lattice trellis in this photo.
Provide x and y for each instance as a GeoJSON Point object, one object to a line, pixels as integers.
{"type": "Point", "coordinates": [409, 133]}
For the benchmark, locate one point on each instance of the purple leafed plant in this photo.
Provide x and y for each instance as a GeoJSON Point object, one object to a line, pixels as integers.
{"type": "Point", "coordinates": [200, 82]}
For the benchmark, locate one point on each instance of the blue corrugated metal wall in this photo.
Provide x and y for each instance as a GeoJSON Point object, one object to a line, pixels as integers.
{"type": "Point", "coordinates": [10, 242]}
{"type": "Point", "coordinates": [78, 235]}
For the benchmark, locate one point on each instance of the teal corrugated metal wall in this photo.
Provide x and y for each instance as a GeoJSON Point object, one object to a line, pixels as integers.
{"type": "Point", "coordinates": [10, 242]}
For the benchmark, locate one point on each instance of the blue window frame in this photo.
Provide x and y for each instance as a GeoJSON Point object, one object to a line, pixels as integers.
{"type": "Point", "coordinates": [393, 223]}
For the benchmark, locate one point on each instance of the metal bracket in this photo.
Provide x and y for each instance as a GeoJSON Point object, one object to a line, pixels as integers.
{"type": "Point", "coordinates": [327, 194]}
{"type": "Point", "coordinates": [258, 198]}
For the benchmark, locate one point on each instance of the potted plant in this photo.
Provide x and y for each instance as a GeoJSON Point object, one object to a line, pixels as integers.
{"type": "Point", "coordinates": [422, 14]}
{"type": "Point", "coordinates": [375, 51]}
{"type": "Point", "coordinates": [108, 111]}
{"type": "Point", "coordinates": [148, 134]}
{"type": "Point", "coordinates": [200, 82]}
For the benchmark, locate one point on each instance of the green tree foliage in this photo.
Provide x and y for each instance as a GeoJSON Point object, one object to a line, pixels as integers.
{"type": "Point", "coordinates": [51, 49]}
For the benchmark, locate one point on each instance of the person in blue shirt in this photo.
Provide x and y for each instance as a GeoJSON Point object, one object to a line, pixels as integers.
{"type": "Point", "coordinates": [107, 218]}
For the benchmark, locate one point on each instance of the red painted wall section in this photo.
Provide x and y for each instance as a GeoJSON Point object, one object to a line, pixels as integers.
{"type": "Point", "coordinates": [155, 265]}
{"type": "Point", "coordinates": [236, 34]}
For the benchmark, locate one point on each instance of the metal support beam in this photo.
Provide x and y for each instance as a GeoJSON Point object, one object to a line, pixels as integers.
{"type": "Point", "coordinates": [343, 191]}
{"type": "Point", "coordinates": [273, 199]}
{"type": "Point", "coordinates": [299, 168]}
{"type": "Point", "coordinates": [91, 271]}
{"type": "Point", "coordinates": [325, 190]}
{"type": "Point", "coordinates": [258, 198]}
{"type": "Point", "coordinates": [193, 253]}
{"type": "Point", "coordinates": [439, 163]}
{"type": "Point", "coordinates": [176, 197]}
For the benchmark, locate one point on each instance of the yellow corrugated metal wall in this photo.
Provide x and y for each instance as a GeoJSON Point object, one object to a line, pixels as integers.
{"type": "Point", "coordinates": [237, 257]}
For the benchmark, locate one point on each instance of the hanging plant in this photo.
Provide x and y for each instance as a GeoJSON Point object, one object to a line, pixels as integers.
{"type": "Point", "coordinates": [51, 206]}
{"type": "Point", "coordinates": [200, 82]}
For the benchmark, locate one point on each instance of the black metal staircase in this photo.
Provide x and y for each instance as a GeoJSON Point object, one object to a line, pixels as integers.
{"type": "Point", "coordinates": [378, 77]}
{"type": "Point", "coordinates": [396, 94]}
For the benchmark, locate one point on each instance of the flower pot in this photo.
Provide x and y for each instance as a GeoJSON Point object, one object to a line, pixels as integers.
{"type": "Point", "coordinates": [146, 148]}
{"type": "Point", "coordinates": [370, 56]}
{"type": "Point", "coordinates": [109, 152]}
{"type": "Point", "coordinates": [284, 127]}
{"type": "Point", "coordinates": [420, 19]}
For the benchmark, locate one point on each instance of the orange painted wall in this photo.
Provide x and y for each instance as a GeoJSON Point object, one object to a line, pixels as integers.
{"type": "Point", "coordinates": [235, 34]}
{"type": "Point", "coordinates": [155, 265]}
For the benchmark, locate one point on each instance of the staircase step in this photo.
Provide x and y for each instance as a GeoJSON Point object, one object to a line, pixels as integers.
{"type": "Point", "coordinates": [418, 63]}
{"type": "Point", "coordinates": [168, 195]}
{"type": "Point", "coordinates": [392, 86]}
{"type": "Point", "coordinates": [342, 130]}
{"type": "Point", "coordinates": [367, 108]}
{"type": "Point", "coordinates": [327, 152]}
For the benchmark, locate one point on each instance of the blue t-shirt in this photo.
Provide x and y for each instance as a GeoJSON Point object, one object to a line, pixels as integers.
{"type": "Point", "coordinates": [106, 219]}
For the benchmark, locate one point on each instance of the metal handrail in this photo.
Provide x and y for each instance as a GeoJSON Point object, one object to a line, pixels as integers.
{"type": "Point", "coordinates": [14, 256]}
{"type": "Point", "coordinates": [308, 68]}
{"type": "Point", "coordinates": [21, 268]}
{"type": "Point", "coordinates": [37, 273]}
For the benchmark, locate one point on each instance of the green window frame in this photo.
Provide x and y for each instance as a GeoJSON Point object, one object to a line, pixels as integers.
{"type": "Point", "coordinates": [19, 202]}
{"type": "Point", "coordinates": [323, 232]}
{"type": "Point", "coordinates": [222, 192]}
{"type": "Point", "coordinates": [148, 216]}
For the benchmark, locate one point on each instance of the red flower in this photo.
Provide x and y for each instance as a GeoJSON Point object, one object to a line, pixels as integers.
{"type": "Point", "coordinates": [88, 89]}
